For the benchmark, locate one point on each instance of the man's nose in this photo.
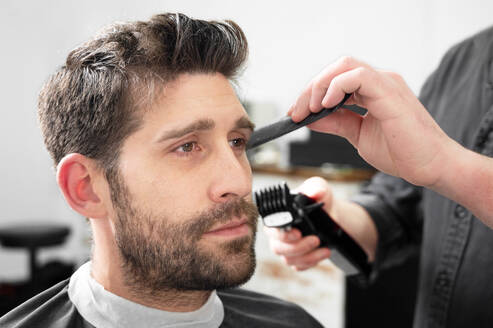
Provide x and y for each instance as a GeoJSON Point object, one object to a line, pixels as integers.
{"type": "Point", "coordinates": [231, 176]}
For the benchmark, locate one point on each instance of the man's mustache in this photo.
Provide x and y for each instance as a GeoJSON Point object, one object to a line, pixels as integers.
{"type": "Point", "coordinates": [222, 213]}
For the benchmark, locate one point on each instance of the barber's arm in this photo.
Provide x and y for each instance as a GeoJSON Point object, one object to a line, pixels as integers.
{"type": "Point", "coordinates": [398, 136]}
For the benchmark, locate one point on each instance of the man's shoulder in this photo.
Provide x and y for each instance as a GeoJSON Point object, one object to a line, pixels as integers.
{"type": "Point", "coordinates": [51, 308]}
{"type": "Point", "coordinates": [248, 308]}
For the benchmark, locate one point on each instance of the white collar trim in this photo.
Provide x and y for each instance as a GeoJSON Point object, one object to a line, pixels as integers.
{"type": "Point", "coordinates": [104, 309]}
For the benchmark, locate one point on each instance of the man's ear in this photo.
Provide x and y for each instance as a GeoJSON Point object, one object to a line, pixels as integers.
{"type": "Point", "coordinates": [77, 177]}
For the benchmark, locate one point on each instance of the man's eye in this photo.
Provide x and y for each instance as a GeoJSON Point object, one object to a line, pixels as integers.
{"type": "Point", "coordinates": [187, 147]}
{"type": "Point", "coordinates": [238, 143]}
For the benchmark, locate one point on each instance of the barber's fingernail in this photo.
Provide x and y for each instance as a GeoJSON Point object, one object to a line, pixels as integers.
{"type": "Point", "coordinates": [293, 112]}
{"type": "Point", "coordinates": [324, 101]}
{"type": "Point", "coordinates": [290, 111]}
{"type": "Point", "coordinates": [314, 241]}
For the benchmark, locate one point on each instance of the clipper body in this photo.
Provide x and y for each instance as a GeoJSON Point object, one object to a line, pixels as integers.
{"type": "Point", "coordinates": [281, 209]}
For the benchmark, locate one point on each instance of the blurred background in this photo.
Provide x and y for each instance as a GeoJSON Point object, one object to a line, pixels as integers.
{"type": "Point", "coordinates": [290, 41]}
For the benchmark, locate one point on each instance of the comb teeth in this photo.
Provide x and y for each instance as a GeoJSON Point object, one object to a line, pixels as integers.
{"type": "Point", "coordinates": [273, 199]}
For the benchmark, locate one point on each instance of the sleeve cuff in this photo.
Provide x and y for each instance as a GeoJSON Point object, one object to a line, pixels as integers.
{"type": "Point", "coordinates": [389, 232]}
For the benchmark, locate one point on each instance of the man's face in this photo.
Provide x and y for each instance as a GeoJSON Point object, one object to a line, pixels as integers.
{"type": "Point", "coordinates": [183, 213]}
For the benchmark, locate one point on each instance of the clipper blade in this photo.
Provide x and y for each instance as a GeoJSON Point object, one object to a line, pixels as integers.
{"type": "Point", "coordinates": [273, 199]}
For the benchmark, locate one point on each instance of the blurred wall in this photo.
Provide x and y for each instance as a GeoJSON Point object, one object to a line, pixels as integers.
{"type": "Point", "coordinates": [289, 43]}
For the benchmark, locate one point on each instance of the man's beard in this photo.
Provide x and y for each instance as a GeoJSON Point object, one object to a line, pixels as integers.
{"type": "Point", "coordinates": [158, 255]}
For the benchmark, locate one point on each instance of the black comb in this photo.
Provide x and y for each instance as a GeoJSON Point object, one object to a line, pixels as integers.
{"type": "Point", "coordinates": [279, 208]}
{"type": "Point", "coordinates": [286, 125]}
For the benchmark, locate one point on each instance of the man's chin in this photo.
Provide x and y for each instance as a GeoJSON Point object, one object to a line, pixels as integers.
{"type": "Point", "coordinates": [239, 268]}
{"type": "Point", "coordinates": [235, 258]}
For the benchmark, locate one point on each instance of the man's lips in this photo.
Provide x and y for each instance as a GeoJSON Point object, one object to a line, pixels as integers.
{"type": "Point", "coordinates": [232, 228]}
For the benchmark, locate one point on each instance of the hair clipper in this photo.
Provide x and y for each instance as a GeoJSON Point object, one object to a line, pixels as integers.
{"type": "Point", "coordinates": [281, 209]}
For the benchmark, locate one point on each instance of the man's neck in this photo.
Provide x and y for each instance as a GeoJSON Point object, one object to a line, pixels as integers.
{"type": "Point", "coordinates": [106, 270]}
{"type": "Point", "coordinates": [169, 300]}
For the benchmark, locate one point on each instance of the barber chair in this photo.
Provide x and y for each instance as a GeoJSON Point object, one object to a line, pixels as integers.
{"type": "Point", "coordinates": [32, 238]}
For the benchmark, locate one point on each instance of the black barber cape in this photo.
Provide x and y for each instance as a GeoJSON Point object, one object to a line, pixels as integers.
{"type": "Point", "coordinates": [242, 308]}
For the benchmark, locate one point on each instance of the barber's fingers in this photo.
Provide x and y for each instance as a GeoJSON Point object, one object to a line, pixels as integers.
{"type": "Point", "coordinates": [300, 253]}
{"type": "Point", "coordinates": [309, 260]}
{"type": "Point", "coordinates": [286, 236]}
{"type": "Point", "coordinates": [317, 189]}
{"type": "Point", "coordinates": [310, 99]}
{"type": "Point", "coordinates": [297, 248]}
{"type": "Point", "coordinates": [384, 94]}
{"type": "Point", "coordinates": [343, 123]}
{"type": "Point", "coordinates": [301, 108]}
{"type": "Point", "coordinates": [323, 80]}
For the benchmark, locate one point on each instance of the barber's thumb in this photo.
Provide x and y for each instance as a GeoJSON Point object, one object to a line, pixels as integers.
{"type": "Point", "coordinates": [316, 188]}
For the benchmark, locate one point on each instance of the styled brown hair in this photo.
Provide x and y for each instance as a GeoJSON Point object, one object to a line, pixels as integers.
{"type": "Point", "coordinates": [91, 104]}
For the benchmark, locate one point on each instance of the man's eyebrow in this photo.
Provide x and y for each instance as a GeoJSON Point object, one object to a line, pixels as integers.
{"type": "Point", "coordinates": [200, 125]}
{"type": "Point", "coordinates": [244, 123]}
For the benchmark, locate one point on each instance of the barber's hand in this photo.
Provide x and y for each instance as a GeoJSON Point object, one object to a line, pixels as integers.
{"type": "Point", "coordinates": [397, 136]}
{"type": "Point", "coordinates": [302, 252]}
{"type": "Point", "coordinates": [297, 252]}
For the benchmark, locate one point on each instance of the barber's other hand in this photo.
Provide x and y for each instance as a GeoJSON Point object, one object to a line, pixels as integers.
{"type": "Point", "coordinates": [397, 136]}
{"type": "Point", "coordinates": [300, 252]}
{"type": "Point", "coordinates": [303, 252]}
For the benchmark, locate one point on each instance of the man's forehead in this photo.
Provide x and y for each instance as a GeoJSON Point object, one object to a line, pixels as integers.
{"type": "Point", "coordinates": [200, 85]}
{"type": "Point", "coordinates": [197, 88]}
{"type": "Point", "coordinates": [198, 95]}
